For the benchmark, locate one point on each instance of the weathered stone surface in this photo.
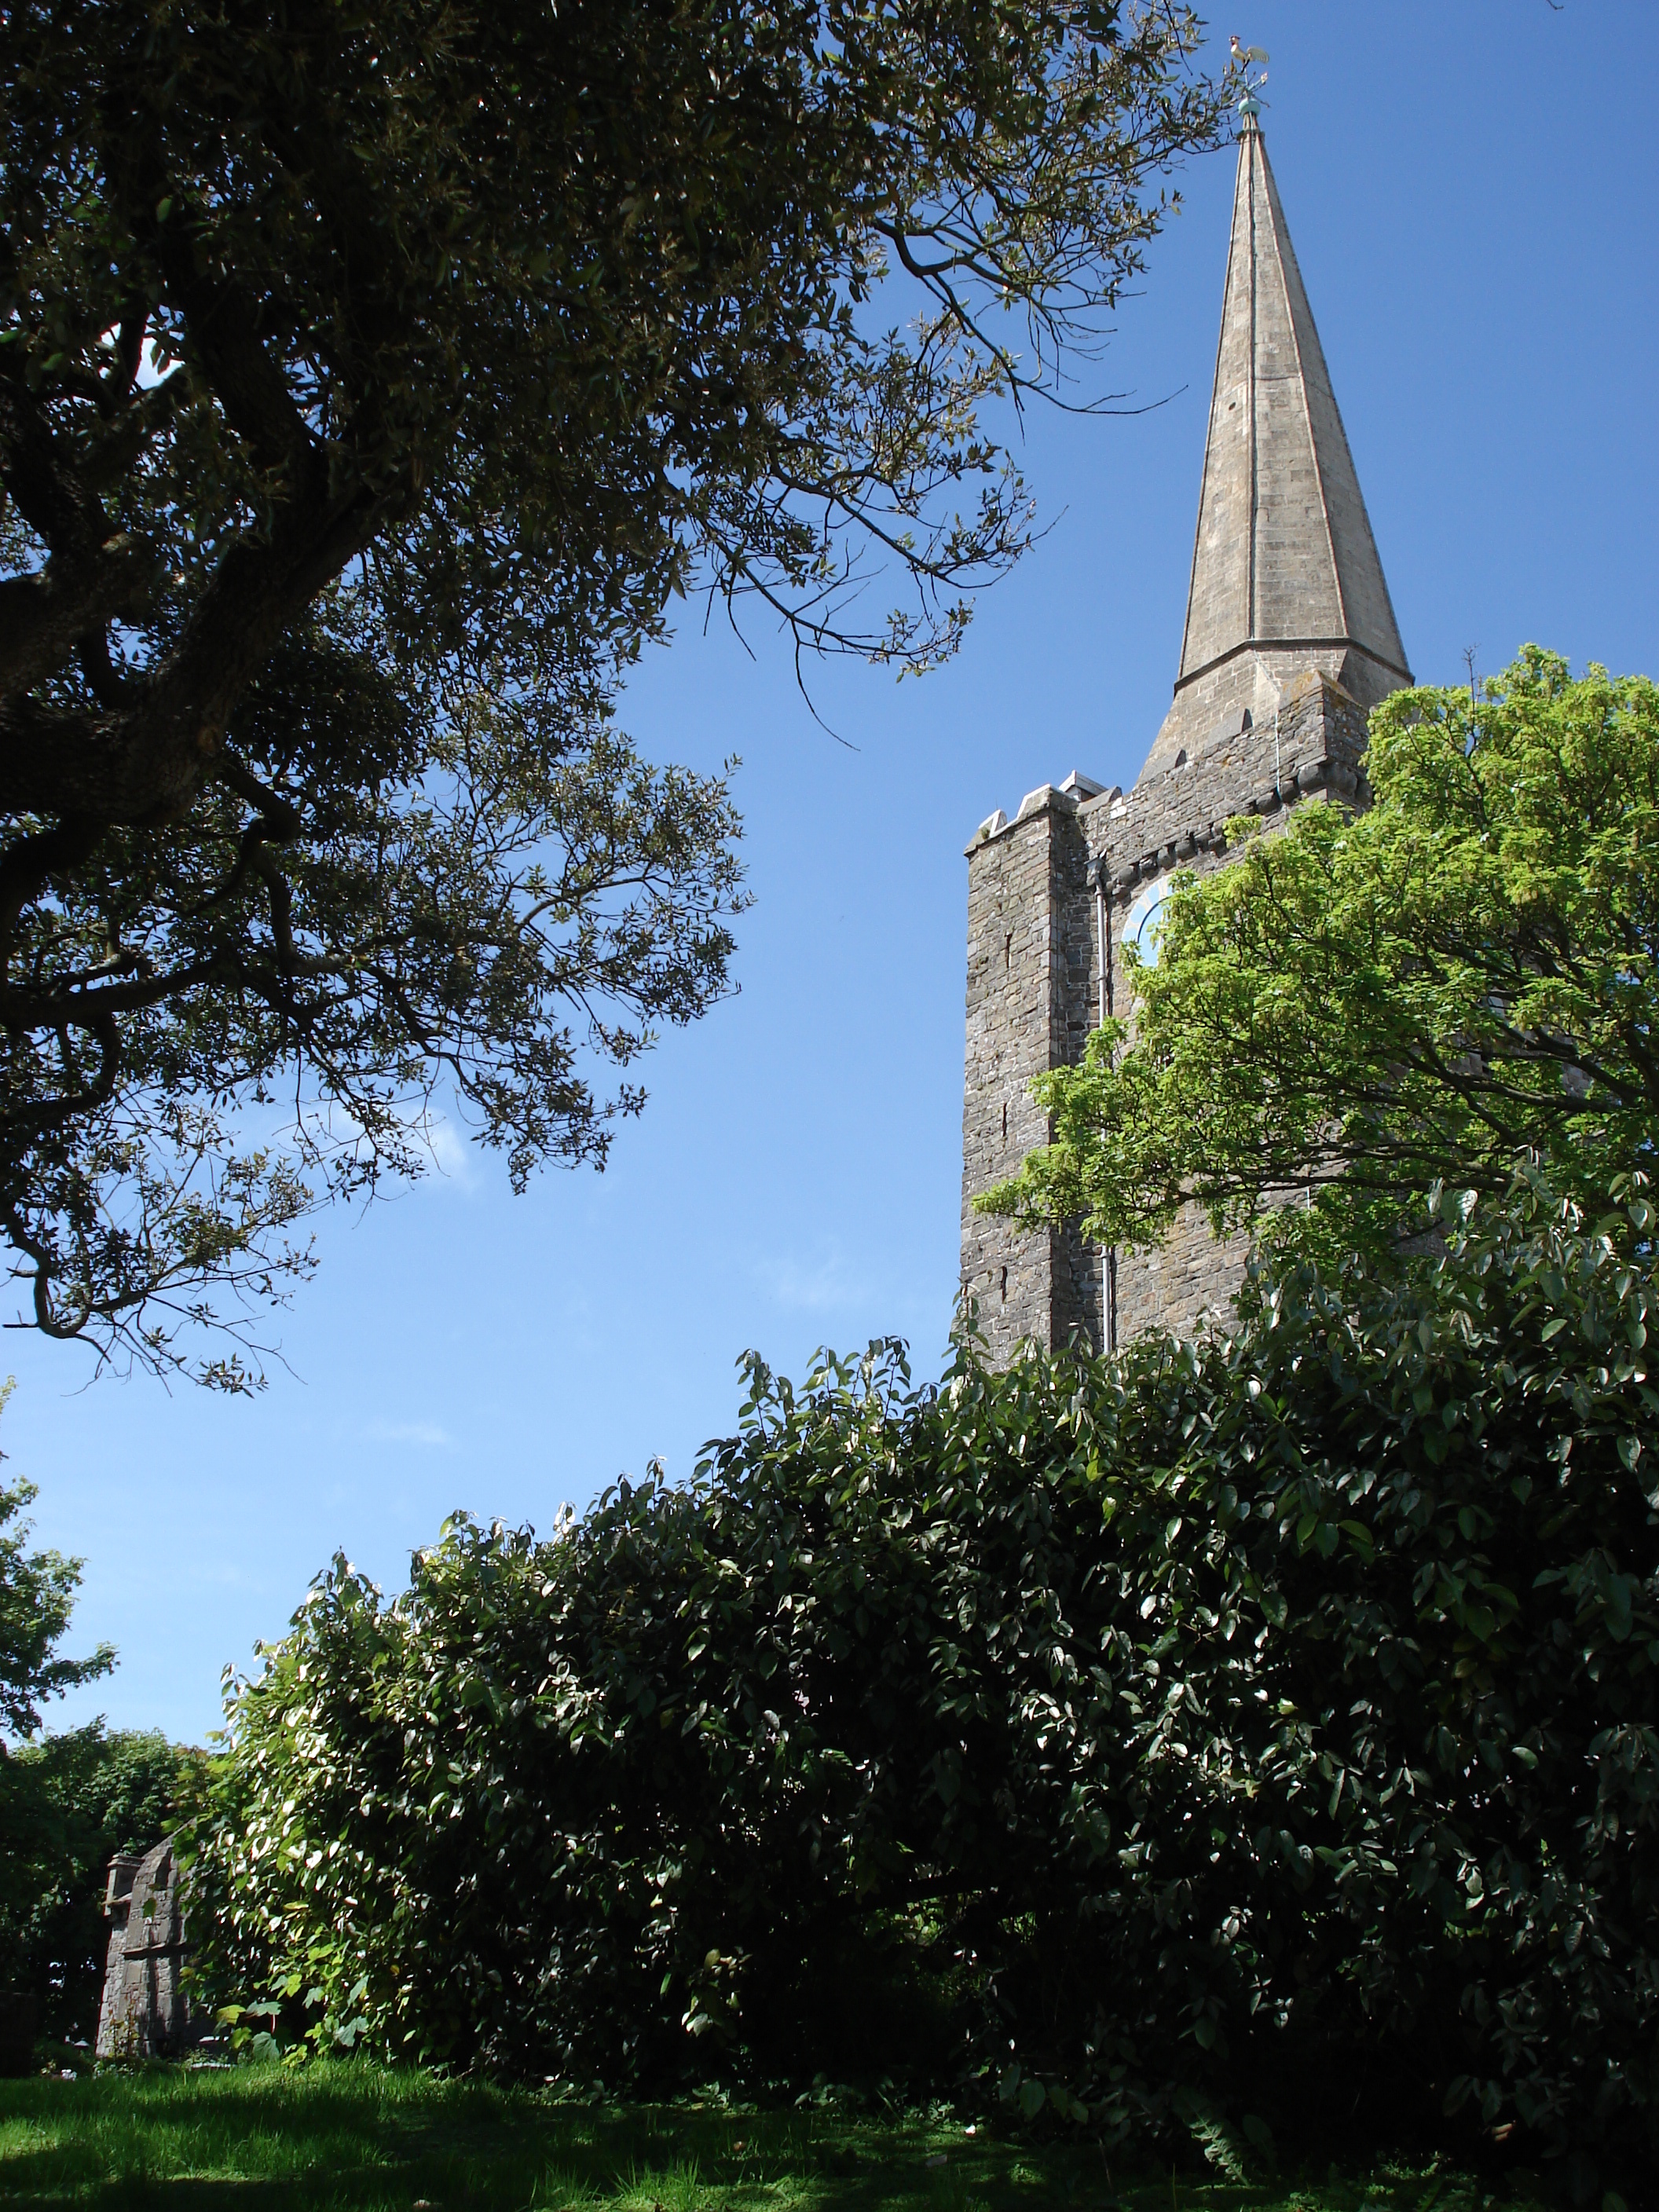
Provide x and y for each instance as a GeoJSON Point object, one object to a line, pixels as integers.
{"type": "Point", "coordinates": [1027, 969]}
{"type": "Point", "coordinates": [144, 2013]}
{"type": "Point", "coordinates": [1285, 575]}
{"type": "Point", "coordinates": [1290, 639]}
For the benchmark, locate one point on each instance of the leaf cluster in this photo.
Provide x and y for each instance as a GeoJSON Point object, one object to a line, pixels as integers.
{"type": "Point", "coordinates": [1258, 1729]}
{"type": "Point", "coordinates": [484, 906]}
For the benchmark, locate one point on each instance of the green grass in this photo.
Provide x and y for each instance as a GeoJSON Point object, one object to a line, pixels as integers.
{"type": "Point", "coordinates": [352, 2138]}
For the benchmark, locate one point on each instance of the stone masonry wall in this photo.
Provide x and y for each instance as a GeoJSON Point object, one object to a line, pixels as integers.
{"type": "Point", "coordinates": [1027, 980]}
{"type": "Point", "coordinates": [1034, 994]}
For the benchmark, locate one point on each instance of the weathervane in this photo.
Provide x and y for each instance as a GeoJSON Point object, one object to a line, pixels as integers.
{"type": "Point", "coordinates": [1243, 59]}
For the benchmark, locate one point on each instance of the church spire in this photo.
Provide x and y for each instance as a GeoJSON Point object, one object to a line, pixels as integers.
{"type": "Point", "coordinates": [1285, 576]}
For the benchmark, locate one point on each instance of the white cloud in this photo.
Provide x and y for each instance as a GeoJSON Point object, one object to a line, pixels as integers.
{"type": "Point", "coordinates": [410, 1432]}
{"type": "Point", "coordinates": [824, 1286]}
{"type": "Point", "coordinates": [454, 1155]}
{"type": "Point", "coordinates": [224, 1574]}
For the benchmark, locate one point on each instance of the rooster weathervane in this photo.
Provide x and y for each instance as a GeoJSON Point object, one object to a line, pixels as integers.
{"type": "Point", "coordinates": [1245, 59]}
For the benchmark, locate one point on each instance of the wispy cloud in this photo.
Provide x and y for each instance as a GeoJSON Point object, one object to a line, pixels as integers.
{"type": "Point", "coordinates": [452, 1155]}
{"type": "Point", "coordinates": [825, 1285]}
{"type": "Point", "coordinates": [410, 1433]}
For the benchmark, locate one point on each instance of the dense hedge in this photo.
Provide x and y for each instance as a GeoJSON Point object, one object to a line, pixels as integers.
{"type": "Point", "coordinates": [1263, 1727]}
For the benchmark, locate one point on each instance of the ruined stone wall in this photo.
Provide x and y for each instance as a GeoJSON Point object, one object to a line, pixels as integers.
{"type": "Point", "coordinates": [145, 2013]}
{"type": "Point", "coordinates": [1035, 890]}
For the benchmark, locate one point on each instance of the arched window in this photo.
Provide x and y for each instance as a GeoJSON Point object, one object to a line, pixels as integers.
{"type": "Point", "coordinates": [1146, 923]}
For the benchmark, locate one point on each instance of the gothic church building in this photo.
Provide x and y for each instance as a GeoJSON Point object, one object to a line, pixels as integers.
{"type": "Point", "coordinates": [1289, 640]}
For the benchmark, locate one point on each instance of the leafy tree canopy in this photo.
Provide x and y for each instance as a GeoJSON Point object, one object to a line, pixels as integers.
{"type": "Point", "coordinates": [1355, 1008]}
{"type": "Point", "coordinates": [371, 378]}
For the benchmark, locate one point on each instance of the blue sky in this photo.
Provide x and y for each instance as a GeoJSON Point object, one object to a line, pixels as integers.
{"type": "Point", "coordinates": [1474, 194]}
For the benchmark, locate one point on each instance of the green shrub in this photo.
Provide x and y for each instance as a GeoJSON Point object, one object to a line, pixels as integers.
{"type": "Point", "coordinates": [1259, 1729]}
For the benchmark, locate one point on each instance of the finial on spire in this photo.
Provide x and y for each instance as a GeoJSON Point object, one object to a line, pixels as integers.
{"type": "Point", "coordinates": [1243, 59]}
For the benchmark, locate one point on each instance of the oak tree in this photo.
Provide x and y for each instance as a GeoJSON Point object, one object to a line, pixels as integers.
{"type": "Point", "coordinates": [372, 379]}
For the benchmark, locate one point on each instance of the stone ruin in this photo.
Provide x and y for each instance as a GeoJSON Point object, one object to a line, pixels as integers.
{"type": "Point", "coordinates": [144, 2013]}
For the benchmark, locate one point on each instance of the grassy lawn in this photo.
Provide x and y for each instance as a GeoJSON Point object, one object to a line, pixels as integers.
{"type": "Point", "coordinates": [359, 2139]}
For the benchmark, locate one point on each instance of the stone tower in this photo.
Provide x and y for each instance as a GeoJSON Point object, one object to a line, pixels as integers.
{"type": "Point", "coordinates": [1289, 640]}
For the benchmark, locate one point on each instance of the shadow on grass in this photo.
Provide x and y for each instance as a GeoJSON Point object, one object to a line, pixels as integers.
{"type": "Point", "coordinates": [357, 2139]}
{"type": "Point", "coordinates": [354, 2137]}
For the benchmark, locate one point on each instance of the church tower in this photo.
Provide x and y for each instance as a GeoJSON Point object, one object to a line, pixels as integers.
{"type": "Point", "coordinates": [1289, 640]}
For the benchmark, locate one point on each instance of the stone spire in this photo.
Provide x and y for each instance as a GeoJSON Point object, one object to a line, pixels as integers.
{"type": "Point", "coordinates": [1286, 577]}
